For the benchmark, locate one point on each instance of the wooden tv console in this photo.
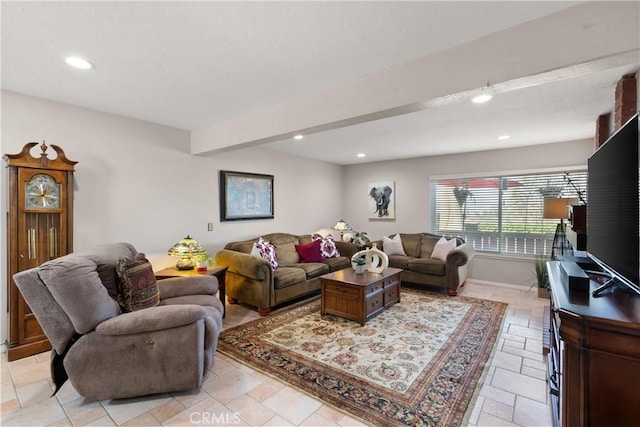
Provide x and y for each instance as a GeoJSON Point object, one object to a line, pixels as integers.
{"type": "Point", "coordinates": [594, 358]}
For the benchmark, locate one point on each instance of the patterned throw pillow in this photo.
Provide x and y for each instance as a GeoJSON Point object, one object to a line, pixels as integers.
{"type": "Point", "coordinates": [327, 246]}
{"type": "Point", "coordinates": [268, 252]}
{"type": "Point", "coordinates": [137, 288]}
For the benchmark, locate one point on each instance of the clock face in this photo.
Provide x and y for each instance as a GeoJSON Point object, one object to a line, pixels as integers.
{"type": "Point", "coordinates": [42, 192]}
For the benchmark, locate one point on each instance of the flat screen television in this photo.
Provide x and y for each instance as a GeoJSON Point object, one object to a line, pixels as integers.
{"type": "Point", "coordinates": [613, 218]}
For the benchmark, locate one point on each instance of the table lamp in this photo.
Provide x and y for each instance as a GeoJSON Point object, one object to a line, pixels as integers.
{"type": "Point", "coordinates": [186, 249]}
{"type": "Point", "coordinates": [557, 208]}
{"type": "Point", "coordinates": [342, 226]}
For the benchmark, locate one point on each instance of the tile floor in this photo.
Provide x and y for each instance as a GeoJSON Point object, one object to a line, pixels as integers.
{"type": "Point", "coordinates": [513, 393]}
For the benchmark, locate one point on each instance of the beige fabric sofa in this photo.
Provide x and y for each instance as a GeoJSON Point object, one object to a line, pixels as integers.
{"type": "Point", "coordinates": [250, 279]}
{"type": "Point", "coordinates": [107, 354]}
{"type": "Point", "coordinates": [419, 268]}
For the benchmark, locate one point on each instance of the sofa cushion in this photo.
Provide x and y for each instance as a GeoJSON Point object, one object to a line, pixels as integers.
{"type": "Point", "coordinates": [442, 248]}
{"type": "Point", "coordinates": [427, 266]}
{"type": "Point", "coordinates": [138, 288]}
{"type": "Point", "coordinates": [337, 263]}
{"type": "Point", "coordinates": [427, 243]}
{"type": "Point", "coordinates": [310, 252]}
{"type": "Point", "coordinates": [288, 276]}
{"type": "Point", "coordinates": [399, 261]}
{"type": "Point", "coordinates": [411, 243]}
{"type": "Point", "coordinates": [73, 278]}
{"type": "Point", "coordinates": [393, 246]}
{"type": "Point", "coordinates": [313, 269]}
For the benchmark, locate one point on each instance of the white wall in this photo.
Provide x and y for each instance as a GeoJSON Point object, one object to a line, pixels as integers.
{"type": "Point", "coordinates": [136, 181]}
{"type": "Point", "coordinates": [412, 194]}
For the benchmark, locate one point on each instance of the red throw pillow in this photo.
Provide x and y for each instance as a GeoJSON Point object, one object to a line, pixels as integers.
{"type": "Point", "coordinates": [310, 252]}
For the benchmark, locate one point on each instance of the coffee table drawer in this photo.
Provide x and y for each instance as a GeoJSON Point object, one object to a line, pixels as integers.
{"type": "Point", "coordinates": [342, 289]}
{"type": "Point", "coordinates": [374, 304]}
{"type": "Point", "coordinates": [391, 295]}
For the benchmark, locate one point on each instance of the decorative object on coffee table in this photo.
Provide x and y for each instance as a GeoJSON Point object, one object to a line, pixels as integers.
{"type": "Point", "coordinates": [358, 262]}
{"type": "Point", "coordinates": [186, 249]}
{"type": "Point", "coordinates": [410, 365]}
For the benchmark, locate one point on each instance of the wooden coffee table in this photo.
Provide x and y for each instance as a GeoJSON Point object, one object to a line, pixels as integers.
{"type": "Point", "coordinates": [359, 296]}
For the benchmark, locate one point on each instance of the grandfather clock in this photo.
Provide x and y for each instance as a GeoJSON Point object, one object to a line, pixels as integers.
{"type": "Point", "coordinates": [39, 228]}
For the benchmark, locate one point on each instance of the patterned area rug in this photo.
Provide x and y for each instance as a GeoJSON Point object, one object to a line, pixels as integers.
{"type": "Point", "coordinates": [417, 363]}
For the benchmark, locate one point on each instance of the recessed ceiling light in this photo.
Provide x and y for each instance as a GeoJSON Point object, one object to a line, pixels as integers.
{"type": "Point", "coordinates": [361, 155]}
{"type": "Point", "coordinates": [482, 98]}
{"type": "Point", "coordinates": [78, 62]}
{"type": "Point", "coordinates": [298, 136]}
{"type": "Point", "coordinates": [503, 137]}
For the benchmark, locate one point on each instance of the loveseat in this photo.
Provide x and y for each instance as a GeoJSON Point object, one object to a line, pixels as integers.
{"type": "Point", "coordinates": [419, 268]}
{"type": "Point", "coordinates": [252, 280]}
{"type": "Point", "coordinates": [163, 338]}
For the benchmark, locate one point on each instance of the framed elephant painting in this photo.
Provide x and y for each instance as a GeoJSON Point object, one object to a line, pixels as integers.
{"type": "Point", "coordinates": [381, 200]}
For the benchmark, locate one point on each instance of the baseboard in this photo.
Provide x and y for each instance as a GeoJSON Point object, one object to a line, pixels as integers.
{"type": "Point", "coordinates": [498, 284]}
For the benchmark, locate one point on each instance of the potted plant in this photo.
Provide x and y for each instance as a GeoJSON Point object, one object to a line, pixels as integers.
{"type": "Point", "coordinates": [542, 277]}
{"type": "Point", "coordinates": [359, 264]}
{"type": "Point", "coordinates": [203, 261]}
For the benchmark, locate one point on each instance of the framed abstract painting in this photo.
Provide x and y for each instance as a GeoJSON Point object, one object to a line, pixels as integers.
{"type": "Point", "coordinates": [245, 196]}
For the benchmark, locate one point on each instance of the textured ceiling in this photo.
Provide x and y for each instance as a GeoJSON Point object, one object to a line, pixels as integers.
{"type": "Point", "coordinates": [191, 65]}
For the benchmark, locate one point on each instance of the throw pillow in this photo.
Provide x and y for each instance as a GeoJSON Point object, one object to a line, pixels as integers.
{"type": "Point", "coordinates": [268, 252]}
{"type": "Point", "coordinates": [393, 246]}
{"type": "Point", "coordinates": [310, 252]}
{"type": "Point", "coordinates": [442, 248]}
{"type": "Point", "coordinates": [255, 251]}
{"type": "Point", "coordinates": [138, 288]}
{"type": "Point", "coordinates": [327, 246]}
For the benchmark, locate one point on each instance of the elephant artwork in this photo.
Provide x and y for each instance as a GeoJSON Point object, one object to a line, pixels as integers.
{"type": "Point", "coordinates": [381, 205]}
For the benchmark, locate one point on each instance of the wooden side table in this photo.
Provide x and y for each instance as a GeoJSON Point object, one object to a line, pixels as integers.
{"type": "Point", "coordinates": [218, 271]}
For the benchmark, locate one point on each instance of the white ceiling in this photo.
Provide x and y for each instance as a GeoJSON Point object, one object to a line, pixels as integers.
{"type": "Point", "coordinates": [191, 65]}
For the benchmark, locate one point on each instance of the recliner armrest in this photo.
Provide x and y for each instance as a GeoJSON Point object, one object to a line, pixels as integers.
{"type": "Point", "coordinates": [151, 319]}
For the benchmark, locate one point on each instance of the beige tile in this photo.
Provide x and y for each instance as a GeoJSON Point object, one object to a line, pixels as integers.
{"type": "Point", "coordinates": [533, 345]}
{"type": "Point", "coordinates": [475, 413]}
{"type": "Point", "coordinates": [531, 413]}
{"type": "Point", "coordinates": [28, 371]}
{"type": "Point", "coordinates": [206, 412]}
{"type": "Point", "coordinates": [348, 421]}
{"type": "Point", "coordinates": [278, 421]}
{"type": "Point", "coordinates": [498, 409]}
{"type": "Point", "coordinates": [62, 422]}
{"type": "Point", "coordinates": [498, 395]}
{"type": "Point", "coordinates": [190, 397]}
{"type": "Point", "coordinates": [143, 420]}
{"type": "Point", "coordinates": [230, 385]}
{"type": "Point", "coordinates": [250, 410]}
{"type": "Point", "coordinates": [123, 410]}
{"type": "Point", "coordinates": [524, 353]}
{"type": "Point", "coordinates": [292, 405]}
{"type": "Point", "coordinates": [7, 391]}
{"type": "Point", "coordinates": [82, 411]}
{"type": "Point", "coordinates": [37, 414]}
{"type": "Point", "coordinates": [507, 361]}
{"type": "Point", "coordinates": [102, 422]}
{"type": "Point", "coordinates": [535, 373]}
{"type": "Point", "coordinates": [330, 413]}
{"type": "Point", "coordinates": [315, 420]}
{"type": "Point", "coordinates": [520, 384]}
{"type": "Point", "coordinates": [524, 332]}
{"type": "Point", "coordinates": [167, 410]}
{"type": "Point", "coordinates": [35, 392]}
{"type": "Point", "coordinates": [264, 391]}
{"type": "Point", "coordinates": [488, 420]}
{"type": "Point", "coordinates": [67, 393]}
{"type": "Point", "coordinates": [9, 406]}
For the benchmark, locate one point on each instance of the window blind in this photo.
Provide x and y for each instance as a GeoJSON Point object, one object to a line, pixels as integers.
{"type": "Point", "coordinates": [503, 214]}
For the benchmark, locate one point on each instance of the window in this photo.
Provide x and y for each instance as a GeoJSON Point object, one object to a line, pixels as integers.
{"type": "Point", "coordinates": [503, 214]}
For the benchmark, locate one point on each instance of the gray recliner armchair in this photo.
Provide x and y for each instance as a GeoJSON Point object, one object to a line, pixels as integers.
{"type": "Point", "coordinates": [109, 354]}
